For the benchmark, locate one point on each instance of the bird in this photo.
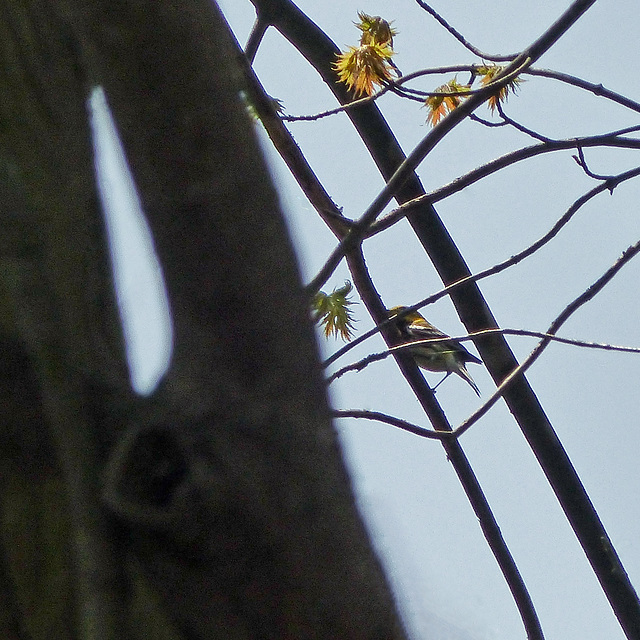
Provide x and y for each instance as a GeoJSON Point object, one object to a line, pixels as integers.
{"type": "Point", "coordinates": [449, 355]}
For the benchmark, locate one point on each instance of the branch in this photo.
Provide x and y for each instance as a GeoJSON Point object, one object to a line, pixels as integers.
{"type": "Point", "coordinates": [497, 268]}
{"type": "Point", "coordinates": [391, 85]}
{"type": "Point", "coordinates": [466, 425]}
{"type": "Point", "coordinates": [485, 170]}
{"type": "Point", "coordinates": [394, 422]}
{"type": "Point", "coordinates": [472, 308]}
{"type": "Point", "coordinates": [582, 163]}
{"type": "Point", "coordinates": [460, 38]}
{"type": "Point", "coordinates": [615, 568]}
{"type": "Point", "coordinates": [520, 127]}
{"type": "Point", "coordinates": [454, 451]}
{"type": "Point", "coordinates": [260, 27]}
{"type": "Point", "coordinates": [397, 87]}
{"type": "Point", "coordinates": [427, 144]}
{"type": "Point", "coordinates": [596, 89]}
{"type": "Point", "coordinates": [290, 152]}
{"type": "Point", "coordinates": [381, 355]}
{"type": "Point", "coordinates": [547, 338]}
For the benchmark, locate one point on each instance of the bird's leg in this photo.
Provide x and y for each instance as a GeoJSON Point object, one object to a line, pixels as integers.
{"type": "Point", "coordinates": [446, 375]}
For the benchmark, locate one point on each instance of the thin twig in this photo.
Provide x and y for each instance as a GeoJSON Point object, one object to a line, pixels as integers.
{"type": "Point", "coordinates": [571, 308]}
{"type": "Point", "coordinates": [462, 40]}
{"type": "Point", "coordinates": [486, 123]}
{"type": "Point", "coordinates": [582, 163]}
{"type": "Point", "coordinates": [341, 109]}
{"type": "Point", "coordinates": [397, 86]}
{"type": "Point", "coordinates": [497, 268]}
{"type": "Point", "coordinates": [485, 170]}
{"type": "Point", "coordinates": [355, 235]}
{"type": "Point", "coordinates": [576, 342]}
{"type": "Point", "coordinates": [381, 355]}
{"type": "Point", "coordinates": [596, 89]}
{"type": "Point", "coordinates": [393, 421]}
{"type": "Point", "coordinates": [520, 127]}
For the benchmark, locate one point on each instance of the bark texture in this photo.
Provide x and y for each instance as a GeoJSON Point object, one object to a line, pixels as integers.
{"type": "Point", "coordinates": [219, 507]}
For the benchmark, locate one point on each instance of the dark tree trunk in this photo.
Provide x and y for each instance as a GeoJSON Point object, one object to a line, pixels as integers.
{"type": "Point", "coordinates": [220, 506]}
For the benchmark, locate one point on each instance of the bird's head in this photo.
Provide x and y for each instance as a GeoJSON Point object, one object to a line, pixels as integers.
{"type": "Point", "coordinates": [407, 318]}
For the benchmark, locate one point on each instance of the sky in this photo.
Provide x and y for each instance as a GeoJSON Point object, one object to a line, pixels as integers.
{"type": "Point", "coordinates": [140, 290]}
{"type": "Point", "coordinates": [446, 581]}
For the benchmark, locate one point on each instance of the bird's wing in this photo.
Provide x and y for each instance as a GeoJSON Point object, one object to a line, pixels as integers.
{"type": "Point", "coordinates": [421, 331]}
{"type": "Point", "coordinates": [428, 331]}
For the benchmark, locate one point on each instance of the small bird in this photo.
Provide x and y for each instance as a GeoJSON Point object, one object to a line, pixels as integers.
{"type": "Point", "coordinates": [449, 356]}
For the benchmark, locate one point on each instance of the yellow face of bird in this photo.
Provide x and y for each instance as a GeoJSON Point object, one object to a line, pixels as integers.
{"type": "Point", "coordinates": [395, 310]}
{"type": "Point", "coordinates": [408, 318]}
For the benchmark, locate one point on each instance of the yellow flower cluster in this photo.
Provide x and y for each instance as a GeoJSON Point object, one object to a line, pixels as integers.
{"type": "Point", "coordinates": [369, 65]}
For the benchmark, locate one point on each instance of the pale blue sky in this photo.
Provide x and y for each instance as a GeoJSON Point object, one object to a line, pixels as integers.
{"type": "Point", "coordinates": [422, 523]}
{"type": "Point", "coordinates": [446, 580]}
{"type": "Point", "coordinates": [144, 309]}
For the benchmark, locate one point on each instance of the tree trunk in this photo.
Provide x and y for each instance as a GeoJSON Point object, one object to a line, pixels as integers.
{"type": "Point", "coordinates": [220, 506]}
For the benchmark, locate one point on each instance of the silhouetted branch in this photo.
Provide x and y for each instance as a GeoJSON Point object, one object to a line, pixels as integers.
{"type": "Point", "coordinates": [394, 422]}
{"type": "Point", "coordinates": [485, 170]}
{"type": "Point", "coordinates": [375, 357]}
{"type": "Point", "coordinates": [596, 89]}
{"type": "Point", "coordinates": [497, 268]}
{"type": "Point", "coordinates": [615, 565]}
{"type": "Point", "coordinates": [462, 40]}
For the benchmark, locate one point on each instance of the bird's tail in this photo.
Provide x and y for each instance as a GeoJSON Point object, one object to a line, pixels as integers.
{"type": "Point", "coordinates": [465, 375]}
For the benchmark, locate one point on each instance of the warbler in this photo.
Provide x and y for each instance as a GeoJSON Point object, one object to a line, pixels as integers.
{"type": "Point", "coordinates": [449, 355]}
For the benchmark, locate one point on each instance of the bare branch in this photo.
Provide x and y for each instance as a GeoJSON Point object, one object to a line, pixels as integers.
{"type": "Point", "coordinates": [394, 422]}
{"type": "Point", "coordinates": [596, 89]}
{"type": "Point", "coordinates": [375, 357]}
{"type": "Point", "coordinates": [486, 123]}
{"type": "Point", "coordinates": [501, 266]}
{"type": "Point", "coordinates": [342, 108]}
{"type": "Point", "coordinates": [255, 38]}
{"type": "Point", "coordinates": [571, 308]}
{"type": "Point", "coordinates": [582, 162]}
{"type": "Point", "coordinates": [391, 85]}
{"type": "Point", "coordinates": [520, 127]}
{"type": "Point", "coordinates": [485, 170]}
{"type": "Point", "coordinates": [460, 38]}
{"type": "Point", "coordinates": [576, 342]}
{"type": "Point", "coordinates": [290, 152]}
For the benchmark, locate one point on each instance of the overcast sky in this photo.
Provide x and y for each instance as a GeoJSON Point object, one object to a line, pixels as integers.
{"type": "Point", "coordinates": [446, 580]}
